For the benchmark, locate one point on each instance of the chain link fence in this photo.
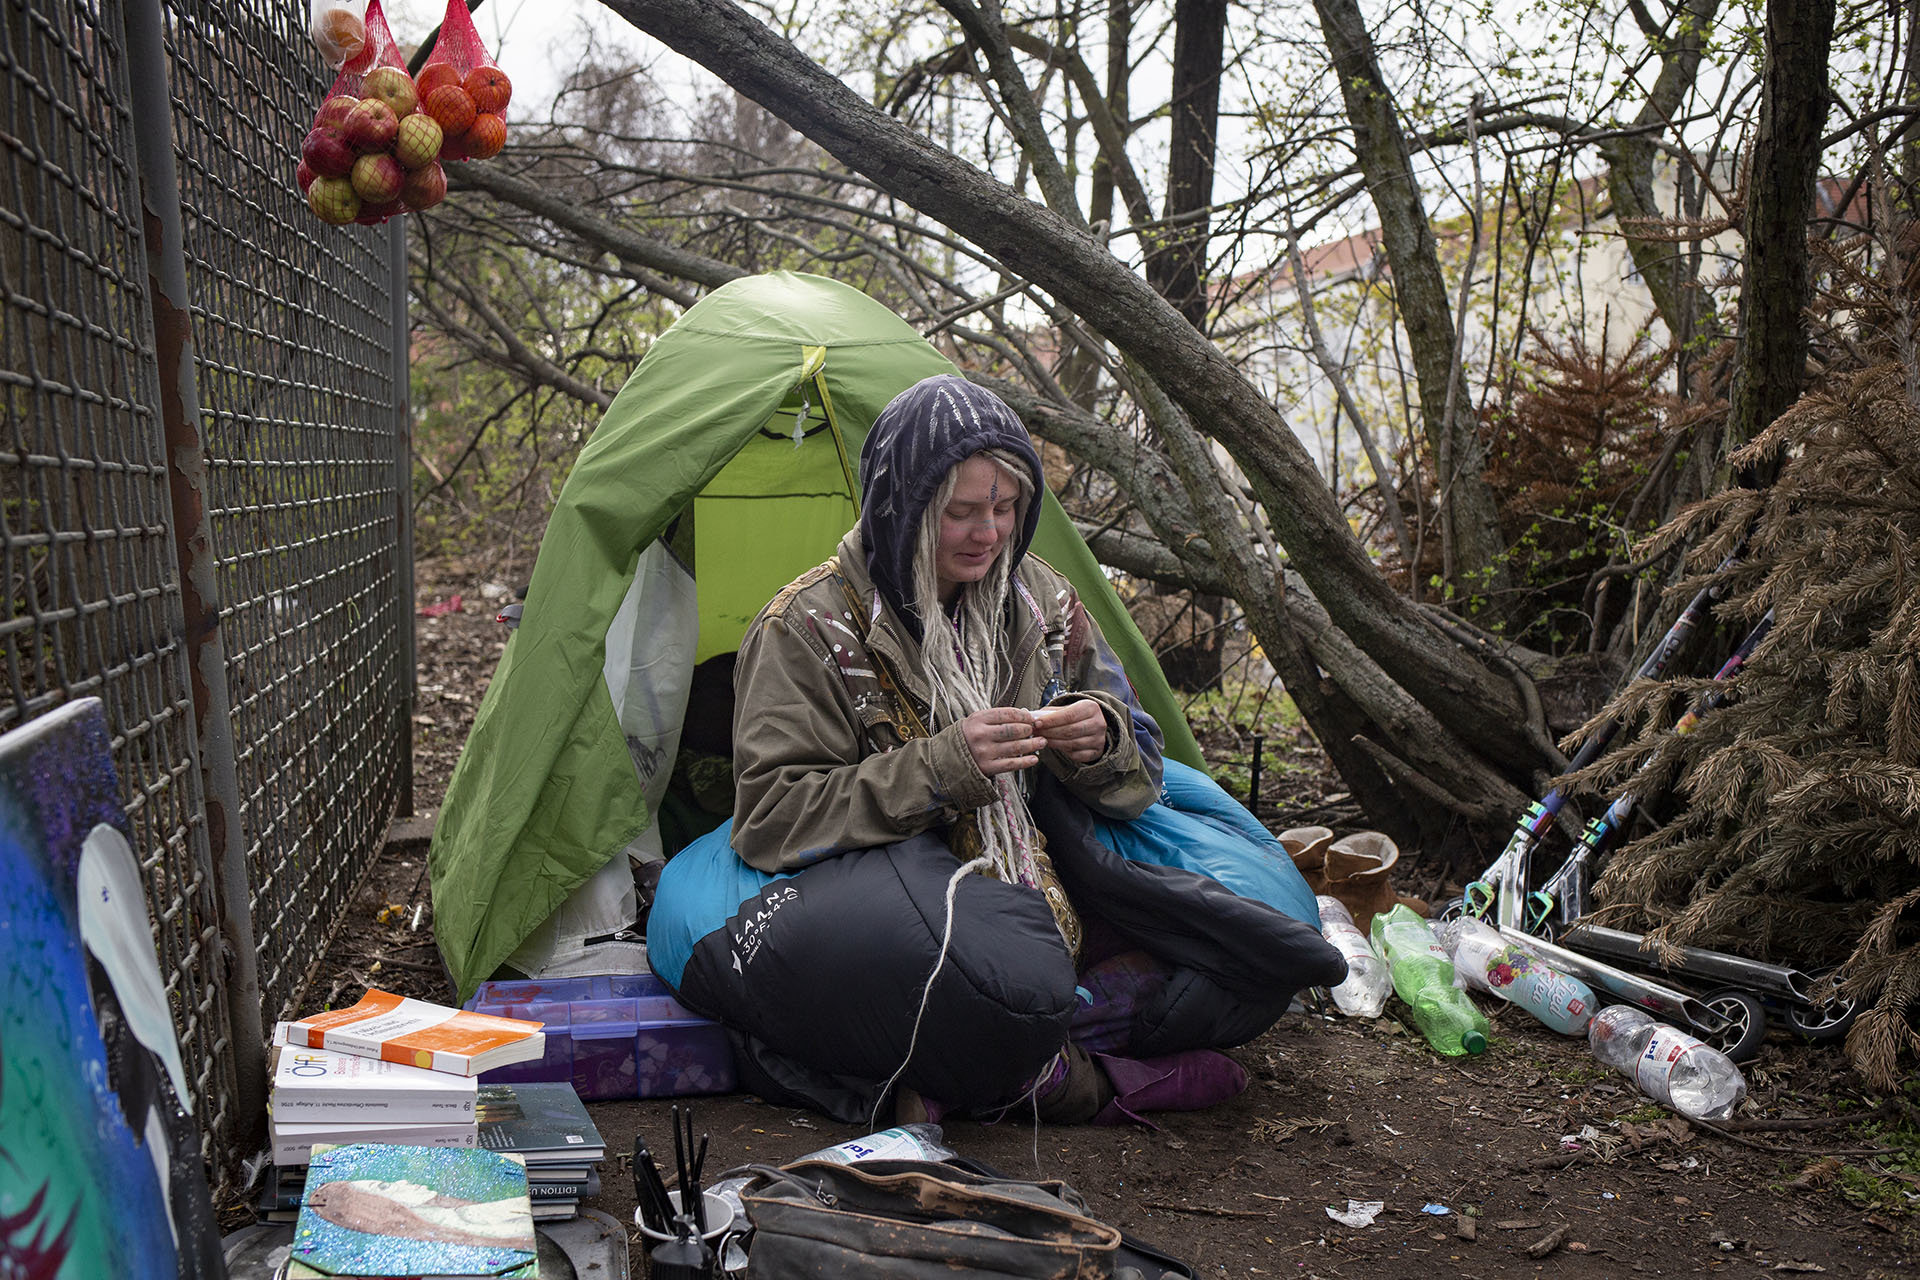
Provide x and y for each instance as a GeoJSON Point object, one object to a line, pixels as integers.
{"type": "Point", "coordinates": [203, 489]}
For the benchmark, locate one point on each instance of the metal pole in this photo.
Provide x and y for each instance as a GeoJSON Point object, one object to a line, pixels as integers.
{"type": "Point", "coordinates": [1253, 777]}
{"type": "Point", "coordinates": [1693, 962]}
{"type": "Point", "coordinates": [192, 533]}
{"type": "Point", "coordinates": [403, 494]}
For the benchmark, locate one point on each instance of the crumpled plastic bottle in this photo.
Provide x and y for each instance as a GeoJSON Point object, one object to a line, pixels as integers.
{"type": "Point", "coordinates": [1667, 1064]}
{"type": "Point", "coordinates": [1423, 977]}
{"type": "Point", "coordinates": [1492, 962]}
{"type": "Point", "coordinates": [1368, 983]}
{"type": "Point", "coordinates": [902, 1142]}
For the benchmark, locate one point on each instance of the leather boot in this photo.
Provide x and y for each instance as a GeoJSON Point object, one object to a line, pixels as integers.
{"type": "Point", "coordinates": [1359, 872]}
{"type": "Point", "coordinates": [911, 1107]}
{"type": "Point", "coordinates": [1073, 1089]}
{"type": "Point", "coordinates": [1307, 846]}
{"type": "Point", "coordinates": [1190, 1081]}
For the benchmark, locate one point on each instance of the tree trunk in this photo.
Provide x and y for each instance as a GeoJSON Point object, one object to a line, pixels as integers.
{"type": "Point", "coordinates": [1462, 707]}
{"type": "Point", "coordinates": [1177, 266]}
{"type": "Point", "coordinates": [1420, 292]}
{"type": "Point", "coordinates": [1662, 263]}
{"type": "Point", "coordinates": [1081, 368]}
{"type": "Point", "coordinates": [1770, 365]}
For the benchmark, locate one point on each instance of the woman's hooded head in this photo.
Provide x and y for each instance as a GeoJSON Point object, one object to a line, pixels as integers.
{"type": "Point", "coordinates": [923, 433]}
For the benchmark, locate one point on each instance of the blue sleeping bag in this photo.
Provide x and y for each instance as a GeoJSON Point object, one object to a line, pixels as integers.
{"type": "Point", "coordinates": [1196, 826]}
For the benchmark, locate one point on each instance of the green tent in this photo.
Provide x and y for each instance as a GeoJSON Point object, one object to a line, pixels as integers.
{"type": "Point", "coordinates": [749, 413]}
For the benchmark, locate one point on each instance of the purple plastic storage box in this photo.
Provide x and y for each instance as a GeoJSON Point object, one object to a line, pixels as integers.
{"type": "Point", "coordinates": [618, 986]}
{"type": "Point", "coordinates": [613, 1037]}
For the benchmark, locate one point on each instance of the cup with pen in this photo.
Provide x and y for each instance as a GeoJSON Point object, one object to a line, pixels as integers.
{"type": "Point", "coordinates": [684, 1223]}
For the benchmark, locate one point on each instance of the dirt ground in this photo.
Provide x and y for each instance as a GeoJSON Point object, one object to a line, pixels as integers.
{"type": "Point", "coordinates": [1528, 1160]}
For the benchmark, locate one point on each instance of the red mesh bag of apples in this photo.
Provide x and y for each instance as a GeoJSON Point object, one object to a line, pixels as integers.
{"type": "Point", "coordinates": [464, 91]}
{"type": "Point", "coordinates": [371, 152]}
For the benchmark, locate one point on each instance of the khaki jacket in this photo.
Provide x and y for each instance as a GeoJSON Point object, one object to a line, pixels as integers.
{"type": "Point", "coordinates": [829, 757]}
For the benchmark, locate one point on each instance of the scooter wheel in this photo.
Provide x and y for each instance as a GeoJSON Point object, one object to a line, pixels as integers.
{"type": "Point", "coordinates": [1451, 909]}
{"type": "Point", "coordinates": [1824, 1022]}
{"type": "Point", "coordinates": [1746, 1022]}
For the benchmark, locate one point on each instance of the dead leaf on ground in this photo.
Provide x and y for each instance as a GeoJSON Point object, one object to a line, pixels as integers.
{"type": "Point", "coordinates": [1547, 1243]}
{"type": "Point", "coordinates": [1818, 1174]}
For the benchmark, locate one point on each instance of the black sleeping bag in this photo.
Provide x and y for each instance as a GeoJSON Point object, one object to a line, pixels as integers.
{"type": "Point", "coordinates": [827, 967]}
{"type": "Point", "coordinates": [819, 975]}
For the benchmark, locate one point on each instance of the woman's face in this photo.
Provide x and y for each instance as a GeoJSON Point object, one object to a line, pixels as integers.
{"type": "Point", "coordinates": [975, 525]}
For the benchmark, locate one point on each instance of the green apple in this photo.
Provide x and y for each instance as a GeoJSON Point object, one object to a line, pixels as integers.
{"type": "Point", "coordinates": [392, 86]}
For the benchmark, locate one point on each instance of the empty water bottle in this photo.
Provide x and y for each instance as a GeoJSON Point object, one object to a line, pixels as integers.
{"type": "Point", "coordinates": [1667, 1064]}
{"type": "Point", "coordinates": [1364, 993]}
{"type": "Point", "coordinates": [1491, 961]}
{"type": "Point", "coordinates": [1423, 977]}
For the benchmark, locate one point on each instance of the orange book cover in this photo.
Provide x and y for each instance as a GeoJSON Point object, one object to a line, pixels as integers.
{"type": "Point", "coordinates": [420, 1033]}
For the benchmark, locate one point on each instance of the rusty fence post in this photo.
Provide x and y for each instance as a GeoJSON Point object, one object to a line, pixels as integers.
{"type": "Point", "coordinates": [403, 489]}
{"type": "Point", "coordinates": [192, 531]}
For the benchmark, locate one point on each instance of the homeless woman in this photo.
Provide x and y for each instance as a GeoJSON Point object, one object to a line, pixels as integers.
{"type": "Point", "coordinates": [933, 750]}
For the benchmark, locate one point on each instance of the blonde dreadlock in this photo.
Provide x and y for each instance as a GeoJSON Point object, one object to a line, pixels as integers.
{"type": "Point", "coordinates": [966, 660]}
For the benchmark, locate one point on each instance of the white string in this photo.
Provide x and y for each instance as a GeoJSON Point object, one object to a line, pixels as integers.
{"type": "Point", "coordinates": [926, 992]}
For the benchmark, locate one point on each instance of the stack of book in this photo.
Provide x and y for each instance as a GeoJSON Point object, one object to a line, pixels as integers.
{"type": "Point", "coordinates": [547, 1126]}
{"type": "Point", "coordinates": [389, 1071]}
{"type": "Point", "coordinates": [320, 1096]}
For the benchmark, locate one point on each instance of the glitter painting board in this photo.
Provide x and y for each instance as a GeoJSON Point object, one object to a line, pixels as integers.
{"type": "Point", "coordinates": [100, 1170]}
{"type": "Point", "coordinates": [378, 1210]}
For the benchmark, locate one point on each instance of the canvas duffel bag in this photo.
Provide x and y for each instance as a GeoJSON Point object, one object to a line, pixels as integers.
{"type": "Point", "coordinates": [917, 1220]}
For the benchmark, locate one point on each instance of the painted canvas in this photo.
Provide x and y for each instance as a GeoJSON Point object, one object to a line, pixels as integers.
{"type": "Point", "coordinates": [100, 1170]}
{"type": "Point", "coordinates": [377, 1210]}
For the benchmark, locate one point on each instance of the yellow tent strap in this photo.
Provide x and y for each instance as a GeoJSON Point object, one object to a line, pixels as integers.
{"type": "Point", "coordinates": [815, 360]}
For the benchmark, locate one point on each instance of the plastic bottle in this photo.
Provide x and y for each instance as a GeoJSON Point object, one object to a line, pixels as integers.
{"type": "Point", "coordinates": [1491, 961]}
{"type": "Point", "coordinates": [1364, 993]}
{"type": "Point", "coordinates": [1423, 977]}
{"type": "Point", "coordinates": [1667, 1064]}
{"type": "Point", "coordinates": [902, 1142]}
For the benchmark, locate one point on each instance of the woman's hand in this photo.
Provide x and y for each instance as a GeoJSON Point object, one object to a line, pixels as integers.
{"type": "Point", "coordinates": [1077, 730]}
{"type": "Point", "coordinates": [1002, 739]}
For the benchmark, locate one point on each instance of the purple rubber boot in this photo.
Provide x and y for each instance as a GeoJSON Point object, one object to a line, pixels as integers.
{"type": "Point", "coordinates": [1190, 1081]}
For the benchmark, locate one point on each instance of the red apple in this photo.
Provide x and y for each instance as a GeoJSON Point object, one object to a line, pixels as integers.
{"type": "Point", "coordinates": [373, 214]}
{"type": "Point", "coordinates": [334, 110]}
{"type": "Point", "coordinates": [418, 141]}
{"type": "Point", "coordinates": [371, 126]}
{"type": "Point", "coordinates": [328, 152]}
{"type": "Point", "coordinates": [377, 177]}
{"type": "Point", "coordinates": [433, 75]}
{"type": "Point", "coordinates": [453, 107]}
{"type": "Point", "coordinates": [392, 86]}
{"type": "Point", "coordinates": [489, 88]}
{"type": "Point", "coordinates": [486, 136]}
{"type": "Point", "coordinates": [304, 175]}
{"type": "Point", "coordinates": [333, 200]}
{"type": "Point", "coordinates": [425, 187]}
